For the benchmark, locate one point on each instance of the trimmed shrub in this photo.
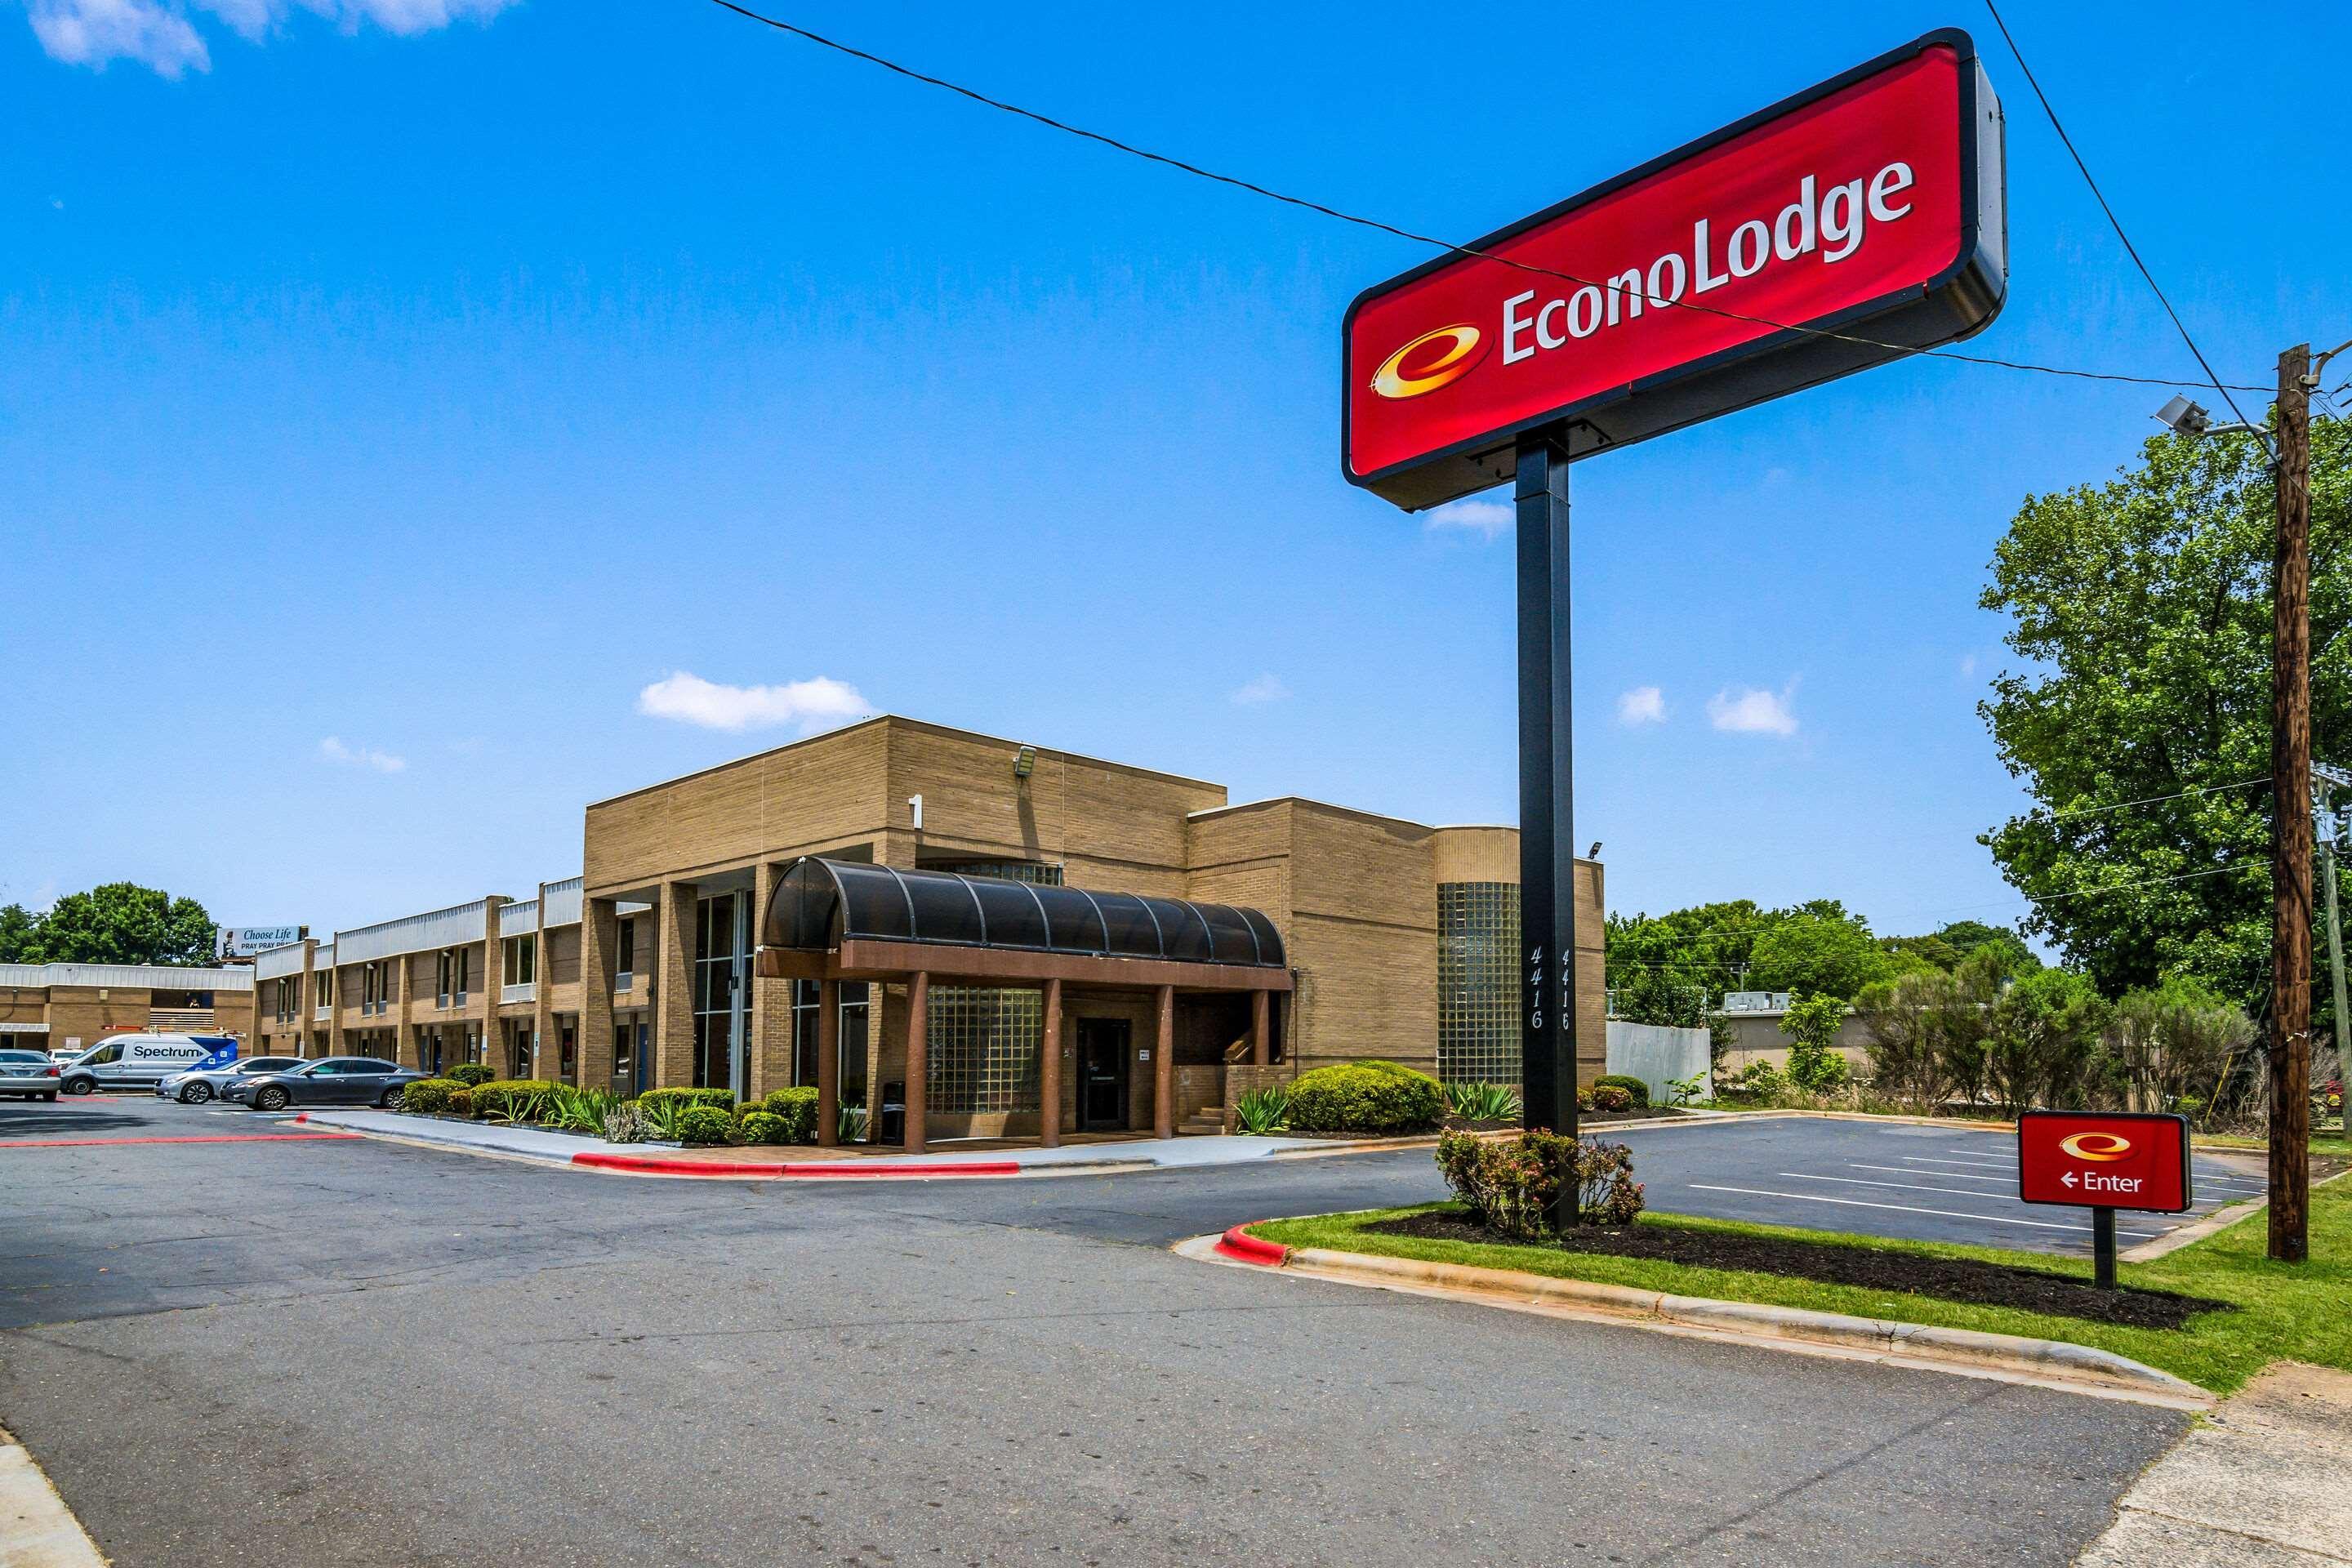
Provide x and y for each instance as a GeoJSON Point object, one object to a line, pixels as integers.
{"type": "Point", "coordinates": [1610, 1096]}
{"type": "Point", "coordinates": [1516, 1184]}
{"type": "Point", "coordinates": [1637, 1088]}
{"type": "Point", "coordinates": [796, 1109]}
{"type": "Point", "coordinates": [719, 1099]}
{"type": "Point", "coordinates": [469, 1074]}
{"type": "Point", "coordinates": [758, 1126]}
{"type": "Point", "coordinates": [461, 1103]}
{"type": "Point", "coordinates": [427, 1094]}
{"type": "Point", "coordinates": [705, 1125]}
{"type": "Point", "coordinates": [1359, 1097]}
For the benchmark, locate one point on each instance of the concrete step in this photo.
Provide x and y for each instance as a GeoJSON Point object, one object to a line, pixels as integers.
{"type": "Point", "coordinates": [1201, 1124]}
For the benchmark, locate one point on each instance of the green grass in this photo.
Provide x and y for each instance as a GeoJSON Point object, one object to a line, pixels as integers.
{"type": "Point", "coordinates": [2291, 1312]}
{"type": "Point", "coordinates": [2321, 1142]}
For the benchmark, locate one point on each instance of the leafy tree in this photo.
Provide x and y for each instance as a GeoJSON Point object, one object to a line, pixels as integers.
{"type": "Point", "coordinates": [18, 927]}
{"type": "Point", "coordinates": [2175, 1044]}
{"type": "Point", "coordinates": [122, 923]}
{"type": "Point", "coordinates": [1812, 1024]}
{"type": "Point", "coordinates": [2143, 609]}
{"type": "Point", "coordinates": [1904, 1020]}
{"type": "Point", "coordinates": [1658, 996]}
{"type": "Point", "coordinates": [1704, 947]}
{"type": "Point", "coordinates": [1819, 949]}
{"type": "Point", "coordinates": [2040, 1038]}
{"type": "Point", "coordinates": [1969, 938]}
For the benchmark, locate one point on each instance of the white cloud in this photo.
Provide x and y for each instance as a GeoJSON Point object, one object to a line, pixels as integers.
{"type": "Point", "coordinates": [159, 35]}
{"type": "Point", "coordinates": [1751, 710]}
{"type": "Point", "coordinates": [334, 751]}
{"type": "Point", "coordinates": [818, 703]}
{"type": "Point", "coordinates": [1264, 689]}
{"type": "Point", "coordinates": [1485, 518]}
{"type": "Point", "coordinates": [1642, 705]}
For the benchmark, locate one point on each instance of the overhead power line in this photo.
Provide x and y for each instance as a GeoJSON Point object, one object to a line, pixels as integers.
{"type": "Point", "coordinates": [2040, 816]}
{"type": "Point", "coordinates": [2116, 224]}
{"type": "Point", "coordinates": [1197, 172]}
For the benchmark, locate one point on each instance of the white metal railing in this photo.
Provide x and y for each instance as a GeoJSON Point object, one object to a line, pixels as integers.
{"type": "Point", "coordinates": [563, 901]}
{"type": "Point", "coordinates": [526, 991]}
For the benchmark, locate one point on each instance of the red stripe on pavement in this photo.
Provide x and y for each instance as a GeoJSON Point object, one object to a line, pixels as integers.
{"type": "Point", "coordinates": [1239, 1245]}
{"type": "Point", "coordinates": [652, 1166]}
{"type": "Point", "coordinates": [209, 1138]}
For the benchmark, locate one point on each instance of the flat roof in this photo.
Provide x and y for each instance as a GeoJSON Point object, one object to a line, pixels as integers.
{"type": "Point", "coordinates": [911, 723]}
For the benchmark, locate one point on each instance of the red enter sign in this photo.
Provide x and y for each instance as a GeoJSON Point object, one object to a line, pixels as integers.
{"type": "Point", "coordinates": [2114, 1160]}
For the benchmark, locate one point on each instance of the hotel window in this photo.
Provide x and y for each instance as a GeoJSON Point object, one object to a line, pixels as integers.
{"type": "Point", "coordinates": [465, 963]}
{"type": "Point", "coordinates": [628, 943]}
{"type": "Point", "coordinates": [521, 959]}
{"type": "Point", "coordinates": [326, 989]}
{"type": "Point", "coordinates": [1478, 983]}
{"type": "Point", "coordinates": [983, 1040]}
{"type": "Point", "coordinates": [445, 971]}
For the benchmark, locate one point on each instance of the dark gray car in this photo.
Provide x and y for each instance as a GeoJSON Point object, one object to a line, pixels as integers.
{"type": "Point", "coordinates": [332, 1080]}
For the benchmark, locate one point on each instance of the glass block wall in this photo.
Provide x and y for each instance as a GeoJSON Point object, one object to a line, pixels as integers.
{"type": "Point", "coordinates": [984, 1039]}
{"type": "Point", "coordinates": [1478, 983]}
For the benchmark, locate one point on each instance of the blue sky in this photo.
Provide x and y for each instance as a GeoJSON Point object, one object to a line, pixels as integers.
{"type": "Point", "coordinates": [392, 395]}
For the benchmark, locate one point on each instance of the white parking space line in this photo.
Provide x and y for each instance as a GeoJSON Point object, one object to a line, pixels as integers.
{"type": "Point", "coordinates": [1947, 1175]}
{"type": "Point", "coordinates": [1982, 1154]}
{"type": "Point", "coordinates": [1912, 1186]}
{"type": "Point", "coordinates": [1931, 1160]}
{"type": "Point", "coordinates": [1907, 1208]}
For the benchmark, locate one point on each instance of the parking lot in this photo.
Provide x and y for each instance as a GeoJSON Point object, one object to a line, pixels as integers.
{"type": "Point", "coordinates": [257, 1345]}
{"type": "Point", "coordinates": [1928, 1183]}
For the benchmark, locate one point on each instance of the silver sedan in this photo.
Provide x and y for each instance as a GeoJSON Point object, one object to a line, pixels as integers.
{"type": "Point", "coordinates": [198, 1085]}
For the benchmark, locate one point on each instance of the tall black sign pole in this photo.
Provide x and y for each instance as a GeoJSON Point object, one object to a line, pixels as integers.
{"type": "Point", "coordinates": [1547, 833]}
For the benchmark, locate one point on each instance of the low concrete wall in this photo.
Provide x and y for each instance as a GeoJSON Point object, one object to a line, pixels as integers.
{"type": "Point", "coordinates": [1657, 1055]}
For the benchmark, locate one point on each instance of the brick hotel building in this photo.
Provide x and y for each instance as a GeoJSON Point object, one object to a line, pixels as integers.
{"type": "Point", "coordinates": [1265, 938]}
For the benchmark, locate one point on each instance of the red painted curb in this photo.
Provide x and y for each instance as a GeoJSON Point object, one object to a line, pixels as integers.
{"type": "Point", "coordinates": [207, 1138]}
{"type": "Point", "coordinates": [651, 1165]}
{"type": "Point", "coordinates": [1241, 1247]}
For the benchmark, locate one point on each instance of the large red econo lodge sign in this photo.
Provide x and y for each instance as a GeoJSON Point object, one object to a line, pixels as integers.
{"type": "Point", "coordinates": [2112, 1159]}
{"type": "Point", "coordinates": [1706, 280]}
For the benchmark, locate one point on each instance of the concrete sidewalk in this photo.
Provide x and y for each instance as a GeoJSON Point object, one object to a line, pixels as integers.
{"type": "Point", "coordinates": [560, 1148]}
{"type": "Point", "coordinates": [2259, 1485]}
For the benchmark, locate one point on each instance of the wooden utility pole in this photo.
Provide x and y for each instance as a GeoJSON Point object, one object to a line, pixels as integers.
{"type": "Point", "coordinates": [2290, 1053]}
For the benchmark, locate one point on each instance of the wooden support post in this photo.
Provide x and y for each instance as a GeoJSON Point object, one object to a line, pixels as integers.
{"type": "Point", "coordinates": [1261, 1032]}
{"type": "Point", "coordinates": [1163, 1066]}
{"type": "Point", "coordinates": [828, 1062]}
{"type": "Point", "coordinates": [918, 998]}
{"type": "Point", "coordinates": [1049, 1070]}
{"type": "Point", "coordinates": [2289, 1055]}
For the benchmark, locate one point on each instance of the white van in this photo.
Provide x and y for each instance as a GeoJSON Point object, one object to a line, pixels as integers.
{"type": "Point", "coordinates": [139, 1061]}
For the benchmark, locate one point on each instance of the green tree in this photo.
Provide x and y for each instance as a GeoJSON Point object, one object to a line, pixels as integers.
{"type": "Point", "coordinates": [1661, 996]}
{"type": "Point", "coordinates": [1704, 947]}
{"type": "Point", "coordinates": [1819, 949]}
{"type": "Point", "coordinates": [1811, 1024]}
{"type": "Point", "coordinates": [122, 923]}
{"type": "Point", "coordinates": [2040, 1038]}
{"type": "Point", "coordinates": [2143, 609]}
{"type": "Point", "coordinates": [19, 928]}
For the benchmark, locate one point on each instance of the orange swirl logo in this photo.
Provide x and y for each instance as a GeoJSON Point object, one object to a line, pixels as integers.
{"type": "Point", "coordinates": [1457, 349]}
{"type": "Point", "coordinates": [2100, 1146]}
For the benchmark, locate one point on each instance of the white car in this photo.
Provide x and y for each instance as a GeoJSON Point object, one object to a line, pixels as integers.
{"type": "Point", "coordinates": [28, 1073]}
{"type": "Point", "coordinates": [198, 1085]}
{"type": "Point", "coordinates": [139, 1061]}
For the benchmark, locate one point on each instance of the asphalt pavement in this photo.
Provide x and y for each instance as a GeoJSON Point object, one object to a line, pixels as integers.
{"type": "Point", "coordinates": [318, 1351]}
{"type": "Point", "coordinates": [1874, 1178]}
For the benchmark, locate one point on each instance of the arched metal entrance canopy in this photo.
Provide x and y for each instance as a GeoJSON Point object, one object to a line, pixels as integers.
{"type": "Point", "coordinates": [880, 918]}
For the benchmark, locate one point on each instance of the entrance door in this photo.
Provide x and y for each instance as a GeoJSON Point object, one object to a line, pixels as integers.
{"type": "Point", "coordinates": [1102, 1074]}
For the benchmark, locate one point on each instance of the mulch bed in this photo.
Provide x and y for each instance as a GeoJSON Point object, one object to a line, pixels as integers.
{"type": "Point", "coordinates": [1945, 1279]}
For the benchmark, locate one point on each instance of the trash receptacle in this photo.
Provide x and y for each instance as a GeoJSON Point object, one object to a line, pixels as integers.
{"type": "Point", "coordinates": [894, 1114]}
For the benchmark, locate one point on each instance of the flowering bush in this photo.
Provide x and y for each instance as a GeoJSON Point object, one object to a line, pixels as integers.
{"type": "Point", "coordinates": [1518, 1186]}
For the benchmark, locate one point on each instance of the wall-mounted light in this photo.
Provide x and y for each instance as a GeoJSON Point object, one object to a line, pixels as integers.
{"type": "Point", "coordinates": [1025, 761]}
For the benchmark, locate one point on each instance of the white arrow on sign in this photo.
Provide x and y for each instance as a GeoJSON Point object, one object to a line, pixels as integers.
{"type": "Point", "coordinates": [2068, 1178]}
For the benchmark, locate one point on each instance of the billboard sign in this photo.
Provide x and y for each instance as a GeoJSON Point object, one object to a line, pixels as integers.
{"type": "Point", "coordinates": [2113, 1160]}
{"type": "Point", "coordinates": [1703, 281]}
{"type": "Point", "coordinates": [244, 941]}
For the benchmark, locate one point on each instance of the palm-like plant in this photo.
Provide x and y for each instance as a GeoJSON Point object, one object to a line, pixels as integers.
{"type": "Point", "coordinates": [1264, 1110]}
{"type": "Point", "coordinates": [1483, 1102]}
